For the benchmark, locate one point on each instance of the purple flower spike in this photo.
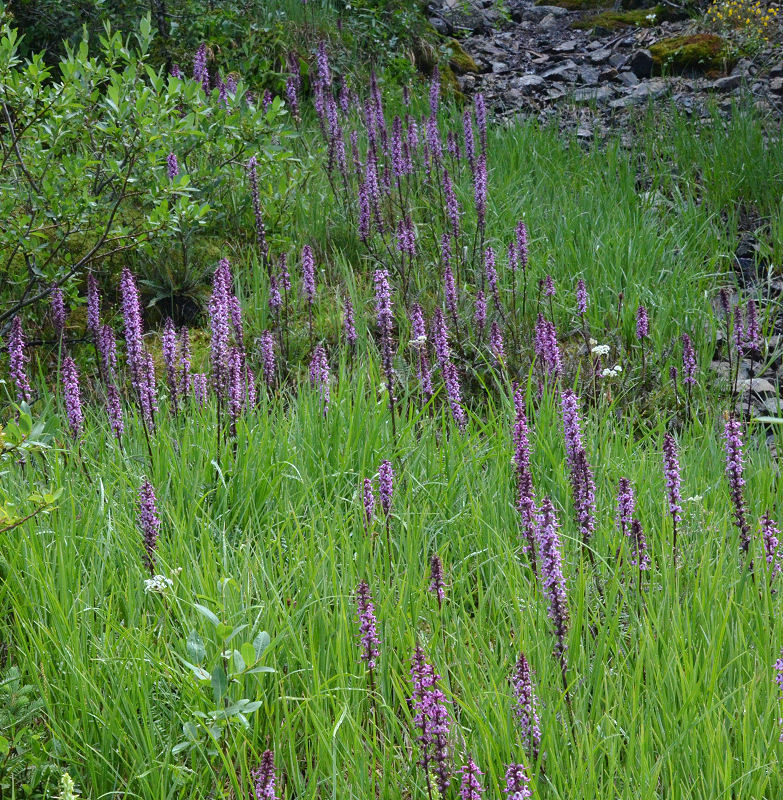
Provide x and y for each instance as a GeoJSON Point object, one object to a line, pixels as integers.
{"type": "Point", "coordinates": [183, 371]}
{"type": "Point", "coordinates": [490, 271]}
{"type": "Point", "coordinates": [17, 361]}
{"type": "Point", "coordinates": [264, 778]}
{"type": "Point", "coordinates": [549, 286]}
{"type": "Point", "coordinates": [431, 721]}
{"type": "Point", "coordinates": [480, 314]}
{"type": "Point", "coordinates": [172, 165]}
{"type": "Point", "coordinates": [368, 634]}
{"type": "Point", "coordinates": [470, 144]}
{"type": "Point", "coordinates": [779, 682]}
{"type": "Point", "coordinates": [452, 206]}
{"type": "Point", "coordinates": [526, 504]}
{"type": "Point", "coordinates": [770, 537]}
{"type": "Point", "coordinates": [169, 348]}
{"type": "Point", "coordinates": [734, 472]}
{"type": "Point", "coordinates": [200, 386]}
{"type": "Point", "coordinates": [200, 71]}
{"type": "Point", "coordinates": [440, 335]}
{"type": "Point", "coordinates": [386, 485]}
{"type": "Point", "coordinates": [689, 365]}
{"type": "Point", "coordinates": [546, 347]}
{"type": "Point", "coordinates": [149, 522]}
{"type": "Point", "coordinates": [349, 323]}
{"type": "Point", "coordinates": [752, 327]}
{"type": "Point", "coordinates": [437, 586]}
{"type": "Point", "coordinates": [419, 342]}
{"type": "Point", "coordinates": [59, 312]}
{"type": "Point", "coordinates": [369, 503]}
{"type": "Point", "coordinates": [481, 121]}
{"type": "Point", "coordinates": [480, 190]}
{"type": "Point", "coordinates": [517, 783]}
{"type": "Point", "coordinates": [625, 506]}
{"type": "Point", "coordinates": [114, 410]}
{"type": "Point", "coordinates": [642, 323]}
{"type": "Point", "coordinates": [320, 376]}
{"type": "Point", "coordinates": [552, 578]}
{"type": "Point", "coordinates": [671, 469]}
{"type": "Point", "coordinates": [93, 308]}
{"type": "Point", "coordinates": [107, 349]}
{"type": "Point", "coordinates": [268, 358]}
{"type": "Point", "coordinates": [219, 314]}
{"type": "Point", "coordinates": [581, 298]}
{"type": "Point", "coordinates": [131, 312]}
{"type": "Point", "coordinates": [572, 426]}
{"type": "Point", "coordinates": [496, 344]}
{"type": "Point", "coordinates": [308, 274]}
{"type": "Point", "coordinates": [470, 786]}
{"type": "Point", "coordinates": [526, 706]}
{"type": "Point", "coordinates": [72, 396]}
{"type": "Point", "coordinates": [521, 243]}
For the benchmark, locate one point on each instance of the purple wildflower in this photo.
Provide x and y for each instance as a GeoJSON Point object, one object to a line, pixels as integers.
{"type": "Point", "coordinates": [671, 469]}
{"type": "Point", "coordinates": [480, 189]}
{"type": "Point", "coordinates": [642, 323]}
{"type": "Point", "coordinates": [369, 503]}
{"type": "Point", "coordinates": [434, 91]}
{"type": "Point", "coordinates": [496, 343]}
{"type": "Point", "coordinates": [72, 396]}
{"type": "Point", "coordinates": [770, 537]}
{"type": "Point", "coordinates": [308, 274]}
{"type": "Point", "coordinates": [437, 586]}
{"type": "Point", "coordinates": [470, 786]}
{"type": "Point", "coordinates": [148, 399]}
{"type": "Point", "coordinates": [368, 635]}
{"type": "Point", "coordinates": [93, 308]}
{"type": "Point", "coordinates": [552, 578]}
{"type": "Point", "coordinates": [440, 335]}
{"type": "Point", "coordinates": [149, 522]}
{"type": "Point", "coordinates": [176, 72]}
{"type": "Point", "coordinates": [480, 313]}
{"type": "Point", "coordinates": [107, 349]}
{"type": "Point", "coordinates": [200, 386]}
{"type": "Point", "coordinates": [386, 486]}
{"type": "Point", "coordinates": [521, 241]}
{"type": "Point", "coordinates": [625, 506]}
{"type": "Point", "coordinates": [383, 308]}
{"type": "Point", "coordinates": [449, 285]}
{"type": "Point", "coordinates": [525, 494]}
{"type": "Point", "coordinates": [491, 274]}
{"type": "Point", "coordinates": [131, 313]}
{"type": "Point", "coordinates": [114, 410]}
{"type": "Point", "coordinates": [546, 347]}
{"type": "Point", "coordinates": [779, 682]}
{"type": "Point", "coordinates": [322, 61]}
{"type": "Point", "coordinates": [268, 358]}
{"type": "Point", "coordinates": [688, 361]}
{"type": "Point", "coordinates": [406, 237]}
{"type": "Point", "coordinates": [172, 165]}
{"type": "Point", "coordinates": [59, 312]}
{"type": "Point", "coordinates": [734, 472]}
{"type": "Point", "coordinates": [184, 362]}
{"type": "Point", "coordinates": [17, 360]}
{"type": "Point", "coordinates": [452, 206]}
{"type": "Point", "coordinates": [526, 706]}
{"type": "Point", "coordinates": [219, 313]}
{"type": "Point", "coordinates": [431, 720]}
{"type": "Point", "coordinates": [549, 286]}
{"type": "Point", "coordinates": [517, 783]}
{"type": "Point", "coordinates": [739, 331]}
{"type": "Point", "coordinates": [200, 71]}
{"type": "Point", "coordinates": [752, 339]}
{"type": "Point", "coordinates": [470, 145]}
{"type": "Point", "coordinates": [169, 348]}
{"type": "Point", "coordinates": [275, 299]}
{"type": "Point", "coordinates": [639, 543]}
{"type": "Point", "coordinates": [320, 376]}
{"type": "Point", "coordinates": [481, 121]}
{"type": "Point", "coordinates": [264, 778]}
{"type": "Point", "coordinates": [235, 388]}
{"type": "Point", "coordinates": [581, 298]}
{"type": "Point", "coordinates": [419, 342]}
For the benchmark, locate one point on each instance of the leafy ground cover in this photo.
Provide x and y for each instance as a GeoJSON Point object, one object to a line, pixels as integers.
{"type": "Point", "coordinates": [439, 490]}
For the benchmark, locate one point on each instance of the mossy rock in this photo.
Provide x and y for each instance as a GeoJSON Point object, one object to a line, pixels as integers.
{"type": "Point", "coordinates": [617, 20]}
{"type": "Point", "coordinates": [704, 53]}
{"type": "Point", "coordinates": [460, 61]}
{"type": "Point", "coordinates": [574, 5]}
{"type": "Point", "coordinates": [450, 84]}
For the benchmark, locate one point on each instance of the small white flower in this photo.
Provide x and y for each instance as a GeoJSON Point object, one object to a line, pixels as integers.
{"type": "Point", "coordinates": [418, 341]}
{"type": "Point", "coordinates": [697, 498]}
{"type": "Point", "coordinates": [158, 584]}
{"type": "Point", "coordinates": [592, 341]}
{"type": "Point", "coordinates": [600, 350]}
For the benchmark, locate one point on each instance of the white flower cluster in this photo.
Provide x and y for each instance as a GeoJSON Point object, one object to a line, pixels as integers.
{"type": "Point", "coordinates": [157, 583]}
{"type": "Point", "coordinates": [600, 350]}
{"type": "Point", "coordinates": [613, 372]}
{"type": "Point", "coordinates": [418, 341]}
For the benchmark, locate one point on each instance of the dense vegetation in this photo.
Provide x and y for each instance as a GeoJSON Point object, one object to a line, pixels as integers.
{"type": "Point", "coordinates": [358, 446]}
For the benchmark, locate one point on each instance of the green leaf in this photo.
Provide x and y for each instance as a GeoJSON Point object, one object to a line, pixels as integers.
{"type": "Point", "coordinates": [260, 669]}
{"type": "Point", "coordinates": [239, 662]}
{"type": "Point", "coordinates": [248, 653]}
{"type": "Point", "coordinates": [5, 746]}
{"type": "Point", "coordinates": [219, 683]}
{"type": "Point", "coordinates": [195, 647]}
{"type": "Point", "coordinates": [260, 643]}
{"type": "Point", "coordinates": [205, 612]}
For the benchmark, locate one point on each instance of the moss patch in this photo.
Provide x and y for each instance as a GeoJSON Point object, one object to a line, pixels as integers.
{"type": "Point", "coordinates": [617, 20]}
{"type": "Point", "coordinates": [460, 61]}
{"type": "Point", "coordinates": [705, 53]}
{"type": "Point", "coordinates": [574, 5]}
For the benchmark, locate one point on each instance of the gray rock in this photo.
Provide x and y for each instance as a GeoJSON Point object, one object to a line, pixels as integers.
{"type": "Point", "coordinates": [727, 84]}
{"type": "Point", "coordinates": [442, 26]}
{"type": "Point", "coordinates": [618, 60]}
{"type": "Point", "coordinates": [539, 12]}
{"type": "Point", "coordinates": [549, 21]}
{"type": "Point", "coordinates": [600, 56]}
{"type": "Point", "coordinates": [776, 86]}
{"type": "Point", "coordinates": [499, 66]}
{"type": "Point", "coordinates": [628, 79]}
{"type": "Point", "coordinates": [562, 72]}
{"type": "Point", "coordinates": [776, 71]}
{"type": "Point", "coordinates": [566, 47]}
{"type": "Point", "coordinates": [608, 74]}
{"type": "Point", "coordinates": [529, 82]}
{"type": "Point", "coordinates": [597, 94]}
{"type": "Point", "coordinates": [641, 63]}
{"type": "Point", "coordinates": [588, 76]}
